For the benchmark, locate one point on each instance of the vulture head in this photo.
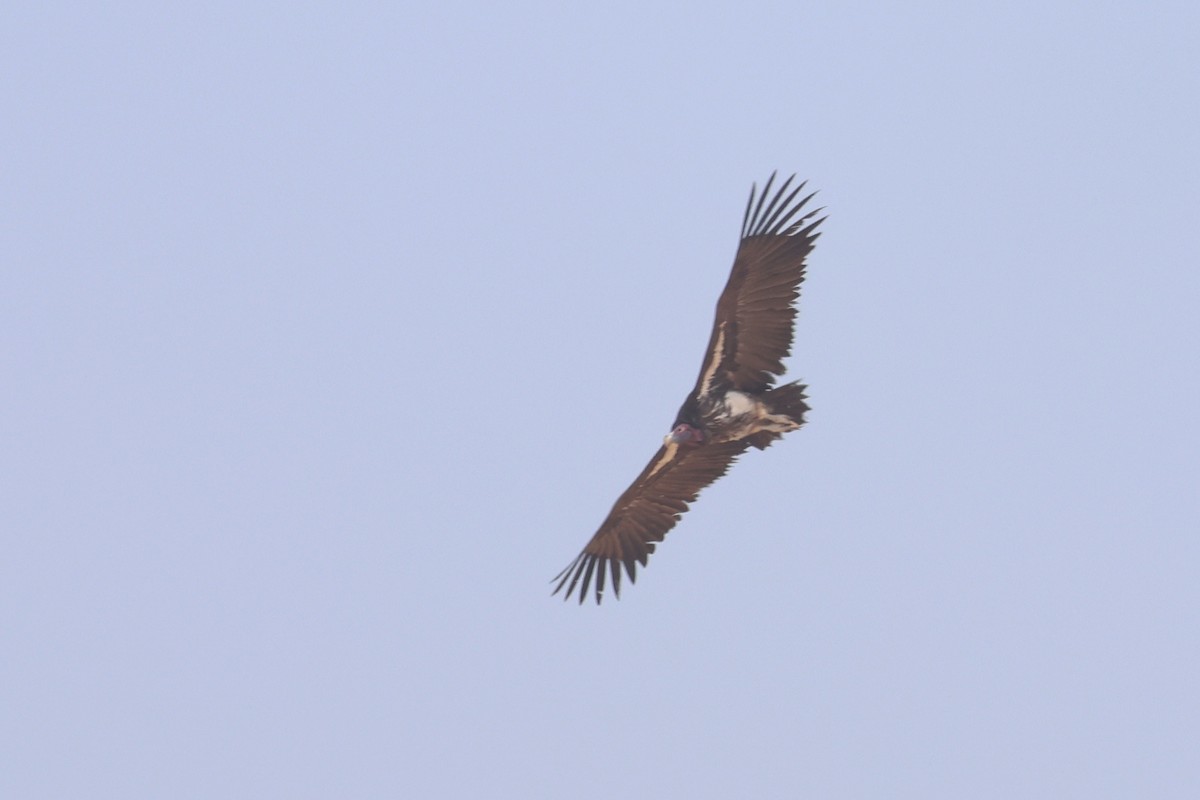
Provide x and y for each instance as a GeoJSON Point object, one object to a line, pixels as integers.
{"type": "Point", "coordinates": [685, 434]}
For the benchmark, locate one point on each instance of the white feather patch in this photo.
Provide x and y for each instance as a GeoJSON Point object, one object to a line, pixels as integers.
{"type": "Point", "coordinates": [740, 404]}
{"type": "Point", "coordinates": [714, 361]}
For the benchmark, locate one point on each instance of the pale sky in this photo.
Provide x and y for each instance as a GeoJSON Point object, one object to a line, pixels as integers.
{"type": "Point", "coordinates": [329, 334]}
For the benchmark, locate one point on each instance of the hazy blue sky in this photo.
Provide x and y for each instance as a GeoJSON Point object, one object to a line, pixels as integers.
{"type": "Point", "coordinates": [330, 332]}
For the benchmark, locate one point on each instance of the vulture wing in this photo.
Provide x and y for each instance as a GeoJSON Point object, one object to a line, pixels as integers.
{"type": "Point", "coordinates": [645, 512]}
{"type": "Point", "coordinates": [755, 314]}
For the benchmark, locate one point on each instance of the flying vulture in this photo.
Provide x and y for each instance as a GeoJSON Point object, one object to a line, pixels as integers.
{"type": "Point", "coordinates": [734, 405]}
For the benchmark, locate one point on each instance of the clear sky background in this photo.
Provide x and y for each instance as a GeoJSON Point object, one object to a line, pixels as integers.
{"type": "Point", "coordinates": [330, 332]}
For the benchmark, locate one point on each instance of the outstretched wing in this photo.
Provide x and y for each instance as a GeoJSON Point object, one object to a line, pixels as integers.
{"type": "Point", "coordinates": [645, 512]}
{"type": "Point", "coordinates": [755, 314]}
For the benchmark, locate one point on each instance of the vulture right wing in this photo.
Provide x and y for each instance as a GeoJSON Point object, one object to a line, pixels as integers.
{"type": "Point", "coordinates": [645, 512]}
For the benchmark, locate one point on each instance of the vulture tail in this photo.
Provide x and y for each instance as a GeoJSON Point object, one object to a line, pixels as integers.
{"type": "Point", "coordinates": [783, 401]}
{"type": "Point", "coordinates": [789, 401]}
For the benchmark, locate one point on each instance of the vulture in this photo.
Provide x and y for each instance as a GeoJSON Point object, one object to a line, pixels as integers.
{"type": "Point", "coordinates": [735, 403]}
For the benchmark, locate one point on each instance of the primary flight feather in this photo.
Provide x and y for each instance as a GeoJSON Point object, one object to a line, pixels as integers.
{"type": "Point", "coordinates": [734, 405]}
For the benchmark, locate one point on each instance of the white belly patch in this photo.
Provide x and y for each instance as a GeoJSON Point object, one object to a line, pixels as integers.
{"type": "Point", "coordinates": [740, 404]}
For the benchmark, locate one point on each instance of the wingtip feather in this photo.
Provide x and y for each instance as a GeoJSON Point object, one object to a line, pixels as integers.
{"type": "Point", "coordinates": [770, 213]}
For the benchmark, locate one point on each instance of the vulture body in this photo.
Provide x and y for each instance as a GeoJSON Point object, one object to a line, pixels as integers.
{"type": "Point", "coordinates": [735, 404]}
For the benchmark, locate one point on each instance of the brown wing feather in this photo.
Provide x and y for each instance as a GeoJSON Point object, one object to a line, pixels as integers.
{"type": "Point", "coordinates": [644, 514]}
{"type": "Point", "coordinates": [756, 312]}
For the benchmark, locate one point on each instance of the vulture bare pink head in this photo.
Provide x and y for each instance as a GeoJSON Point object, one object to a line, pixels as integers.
{"type": "Point", "coordinates": [686, 434]}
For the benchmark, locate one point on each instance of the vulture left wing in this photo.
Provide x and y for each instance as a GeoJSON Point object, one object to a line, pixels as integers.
{"type": "Point", "coordinates": [755, 314]}
{"type": "Point", "coordinates": [645, 512]}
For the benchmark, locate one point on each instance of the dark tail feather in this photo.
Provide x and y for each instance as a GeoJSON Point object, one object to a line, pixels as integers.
{"type": "Point", "coordinates": [787, 400]}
